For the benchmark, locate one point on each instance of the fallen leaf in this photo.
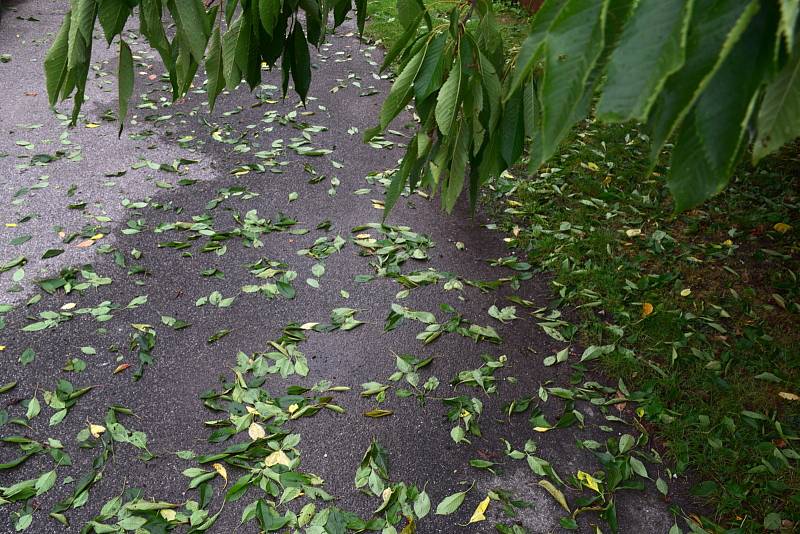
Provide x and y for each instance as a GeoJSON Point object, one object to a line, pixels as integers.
{"type": "Point", "coordinates": [277, 458]}
{"type": "Point", "coordinates": [480, 511]}
{"type": "Point", "coordinates": [589, 480]}
{"type": "Point", "coordinates": [633, 232]}
{"type": "Point", "coordinates": [378, 413]}
{"type": "Point", "coordinates": [96, 430]}
{"type": "Point", "coordinates": [782, 228]}
{"type": "Point", "coordinates": [647, 309]}
{"type": "Point", "coordinates": [221, 471]}
{"type": "Point", "coordinates": [256, 431]}
{"type": "Point", "coordinates": [168, 514]}
{"type": "Point", "coordinates": [789, 396]}
{"type": "Point", "coordinates": [121, 367]}
{"type": "Point", "coordinates": [556, 493]}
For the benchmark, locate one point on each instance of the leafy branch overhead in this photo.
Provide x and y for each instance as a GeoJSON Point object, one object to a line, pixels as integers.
{"type": "Point", "coordinates": [708, 78]}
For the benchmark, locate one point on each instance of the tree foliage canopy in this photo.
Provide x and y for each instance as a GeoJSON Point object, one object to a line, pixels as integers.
{"type": "Point", "coordinates": [711, 77]}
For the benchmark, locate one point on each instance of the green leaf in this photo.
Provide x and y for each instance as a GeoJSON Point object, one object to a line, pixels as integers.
{"type": "Point", "coordinates": [408, 11]}
{"type": "Point", "coordinates": [230, 44]}
{"type": "Point", "coordinates": [448, 100]}
{"type": "Point", "coordinates": [268, 12]}
{"type": "Point", "coordinates": [124, 81]}
{"type": "Point", "coordinates": [789, 12]}
{"type": "Point", "coordinates": [422, 505]}
{"type": "Point", "coordinates": [113, 14]}
{"type": "Point", "coordinates": [55, 62]}
{"type": "Point", "coordinates": [458, 166]}
{"type": "Point", "coordinates": [190, 19]}
{"type": "Point", "coordinates": [779, 116]}
{"type": "Point", "coordinates": [574, 43]}
{"type": "Point", "coordinates": [711, 138]}
{"type": "Point", "coordinates": [214, 69]}
{"type": "Point", "coordinates": [432, 69]}
{"type": "Point", "coordinates": [651, 48]}
{"type": "Point", "coordinates": [531, 50]}
{"type": "Point", "coordinates": [451, 503]}
{"type": "Point", "coordinates": [45, 482]}
{"type": "Point", "coordinates": [301, 63]}
{"type": "Point", "coordinates": [401, 90]}
{"type": "Point", "coordinates": [714, 29]}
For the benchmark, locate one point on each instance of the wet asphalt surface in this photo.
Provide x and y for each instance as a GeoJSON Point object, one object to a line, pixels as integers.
{"type": "Point", "coordinates": [166, 400]}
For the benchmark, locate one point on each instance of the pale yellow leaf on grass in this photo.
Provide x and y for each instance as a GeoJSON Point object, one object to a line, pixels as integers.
{"type": "Point", "coordinates": [782, 227]}
{"type": "Point", "coordinates": [480, 512]}
{"type": "Point", "coordinates": [556, 493]}
{"type": "Point", "coordinates": [789, 396]}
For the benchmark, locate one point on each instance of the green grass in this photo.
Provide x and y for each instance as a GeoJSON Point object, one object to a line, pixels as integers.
{"type": "Point", "coordinates": [711, 360]}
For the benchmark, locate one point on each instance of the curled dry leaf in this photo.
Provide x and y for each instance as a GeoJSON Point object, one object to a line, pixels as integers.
{"type": "Point", "coordinates": [96, 430]}
{"type": "Point", "coordinates": [121, 367]}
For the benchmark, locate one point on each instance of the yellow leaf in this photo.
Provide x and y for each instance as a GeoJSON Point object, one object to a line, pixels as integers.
{"type": "Point", "coordinates": [686, 292]}
{"type": "Point", "coordinates": [788, 396]}
{"type": "Point", "coordinates": [92, 125]}
{"type": "Point", "coordinates": [592, 165]}
{"type": "Point", "coordinates": [221, 471]}
{"type": "Point", "coordinates": [293, 408]}
{"type": "Point", "coordinates": [386, 494]}
{"type": "Point", "coordinates": [96, 430]}
{"type": "Point", "coordinates": [277, 458]}
{"type": "Point", "coordinates": [782, 227]}
{"type": "Point", "coordinates": [647, 309]}
{"type": "Point", "coordinates": [68, 306]}
{"type": "Point", "coordinates": [308, 326]}
{"type": "Point", "coordinates": [589, 480]}
{"type": "Point", "coordinates": [633, 232]}
{"type": "Point", "coordinates": [168, 514]}
{"type": "Point", "coordinates": [121, 367]}
{"type": "Point", "coordinates": [256, 431]}
{"type": "Point", "coordinates": [2, 347]}
{"type": "Point", "coordinates": [480, 511]}
{"type": "Point", "coordinates": [556, 493]}
{"type": "Point", "coordinates": [11, 225]}
{"type": "Point", "coordinates": [95, 237]}
{"type": "Point", "coordinates": [542, 428]}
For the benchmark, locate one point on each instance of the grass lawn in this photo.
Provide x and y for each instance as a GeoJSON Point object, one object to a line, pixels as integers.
{"type": "Point", "coordinates": [702, 308]}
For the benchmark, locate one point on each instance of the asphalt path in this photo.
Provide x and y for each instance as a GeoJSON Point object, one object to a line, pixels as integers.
{"type": "Point", "coordinates": [104, 200]}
